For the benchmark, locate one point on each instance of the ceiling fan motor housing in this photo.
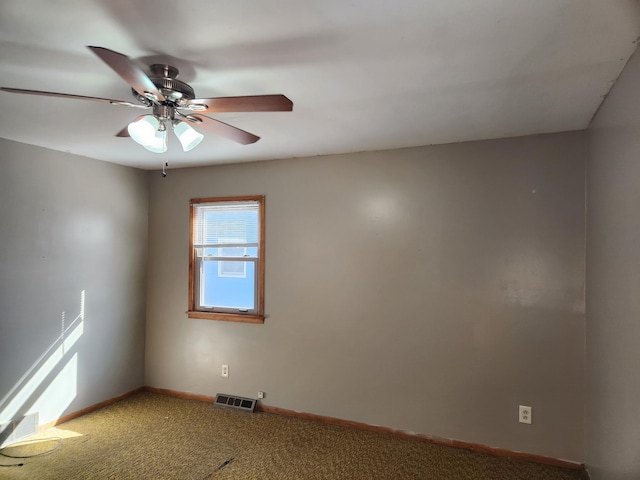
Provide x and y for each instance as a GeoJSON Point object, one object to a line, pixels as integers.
{"type": "Point", "coordinates": [164, 78]}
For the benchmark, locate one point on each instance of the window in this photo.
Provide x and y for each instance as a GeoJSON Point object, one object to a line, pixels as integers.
{"type": "Point", "coordinates": [226, 262]}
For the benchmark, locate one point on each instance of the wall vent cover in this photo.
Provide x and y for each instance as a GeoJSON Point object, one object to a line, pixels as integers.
{"type": "Point", "coordinates": [232, 401]}
{"type": "Point", "coordinates": [15, 430]}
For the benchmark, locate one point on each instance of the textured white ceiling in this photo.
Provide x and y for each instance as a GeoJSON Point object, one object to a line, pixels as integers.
{"type": "Point", "coordinates": [363, 74]}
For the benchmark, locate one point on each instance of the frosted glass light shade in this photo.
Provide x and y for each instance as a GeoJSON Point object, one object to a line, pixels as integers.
{"type": "Point", "coordinates": [159, 142]}
{"type": "Point", "coordinates": [188, 137]}
{"type": "Point", "coordinates": [146, 132]}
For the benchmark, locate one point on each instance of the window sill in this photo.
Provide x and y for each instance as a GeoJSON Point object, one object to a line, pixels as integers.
{"type": "Point", "coordinates": [226, 317]}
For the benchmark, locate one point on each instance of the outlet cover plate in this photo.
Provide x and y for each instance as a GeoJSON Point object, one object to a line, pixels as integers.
{"type": "Point", "coordinates": [525, 414]}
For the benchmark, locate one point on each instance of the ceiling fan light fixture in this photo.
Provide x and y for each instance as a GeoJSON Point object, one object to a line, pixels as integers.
{"type": "Point", "coordinates": [159, 142]}
{"type": "Point", "coordinates": [149, 133]}
{"type": "Point", "coordinates": [144, 130]}
{"type": "Point", "coordinates": [189, 138]}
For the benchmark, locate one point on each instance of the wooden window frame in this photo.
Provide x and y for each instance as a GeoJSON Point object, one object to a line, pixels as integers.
{"type": "Point", "coordinates": [192, 312]}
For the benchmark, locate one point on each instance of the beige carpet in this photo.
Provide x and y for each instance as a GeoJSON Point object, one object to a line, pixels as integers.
{"type": "Point", "coordinates": [152, 436]}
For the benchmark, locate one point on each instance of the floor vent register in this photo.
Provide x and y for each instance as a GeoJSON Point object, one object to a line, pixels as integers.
{"type": "Point", "coordinates": [239, 403]}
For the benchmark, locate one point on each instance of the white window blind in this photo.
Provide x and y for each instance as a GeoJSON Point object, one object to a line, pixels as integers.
{"type": "Point", "coordinates": [216, 223]}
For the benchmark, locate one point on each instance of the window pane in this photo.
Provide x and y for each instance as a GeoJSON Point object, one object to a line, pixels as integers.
{"type": "Point", "coordinates": [228, 284]}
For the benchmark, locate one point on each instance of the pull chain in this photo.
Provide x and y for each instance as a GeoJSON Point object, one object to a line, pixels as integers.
{"type": "Point", "coordinates": [165, 163]}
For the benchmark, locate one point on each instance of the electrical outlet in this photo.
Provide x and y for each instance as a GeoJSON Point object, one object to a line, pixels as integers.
{"type": "Point", "coordinates": [525, 414]}
{"type": "Point", "coordinates": [225, 371]}
{"type": "Point", "coordinates": [261, 395]}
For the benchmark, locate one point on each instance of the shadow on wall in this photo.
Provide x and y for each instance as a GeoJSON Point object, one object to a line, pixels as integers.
{"type": "Point", "coordinates": [49, 386]}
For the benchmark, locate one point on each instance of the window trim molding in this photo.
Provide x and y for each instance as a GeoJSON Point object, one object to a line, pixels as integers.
{"type": "Point", "coordinates": [229, 317]}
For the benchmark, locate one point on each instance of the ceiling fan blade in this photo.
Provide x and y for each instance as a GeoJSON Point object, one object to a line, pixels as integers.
{"type": "Point", "coordinates": [67, 95]}
{"type": "Point", "coordinates": [129, 71]}
{"type": "Point", "coordinates": [124, 132]}
{"type": "Point", "coordinates": [223, 129]}
{"type": "Point", "coordinates": [256, 103]}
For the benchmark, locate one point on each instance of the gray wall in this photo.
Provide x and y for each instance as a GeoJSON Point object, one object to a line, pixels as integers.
{"type": "Point", "coordinates": [69, 225]}
{"type": "Point", "coordinates": [428, 289]}
{"type": "Point", "coordinates": [613, 283]}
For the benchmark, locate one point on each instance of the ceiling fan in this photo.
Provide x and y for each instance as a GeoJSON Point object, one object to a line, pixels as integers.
{"type": "Point", "coordinates": [174, 105]}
